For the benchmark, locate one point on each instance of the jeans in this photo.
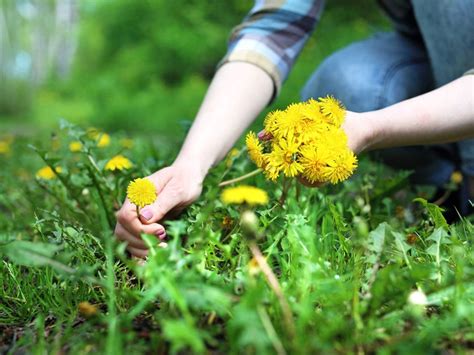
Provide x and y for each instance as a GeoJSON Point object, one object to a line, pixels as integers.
{"type": "Point", "coordinates": [391, 67]}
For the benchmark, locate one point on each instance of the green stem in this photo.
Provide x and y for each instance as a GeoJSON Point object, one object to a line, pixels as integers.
{"type": "Point", "coordinates": [240, 178]}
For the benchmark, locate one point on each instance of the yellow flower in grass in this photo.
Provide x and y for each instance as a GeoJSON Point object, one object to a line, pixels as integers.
{"type": "Point", "coordinates": [272, 120]}
{"type": "Point", "coordinates": [255, 149]}
{"type": "Point", "coordinates": [75, 146]}
{"type": "Point", "coordinates": [46, 173]}
{"type": "Point", "coordinates": [103, 140]}
{"type": "Point", "coordinates": [340, 166]}
{"type": "Point", "coordinates": [456, 177]}
{"type": "Point", "coordinates": [333, 110]}
{"type": "Point", "coordinates": [4, 147]}
{"type": "Point", "coordinates": [141, 192]}
{"type": "Point", "coordinates": [284, 158]}
{"type": "Point", "coordinates": [244, 194]}
{"type": "Point", "coordinates": [118, 162]}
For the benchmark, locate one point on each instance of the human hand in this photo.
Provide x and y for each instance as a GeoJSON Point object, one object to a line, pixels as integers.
{"type": "Point", "coordinates": [177, 187]}
{"type": "Point", "coordinates": [359, 137]}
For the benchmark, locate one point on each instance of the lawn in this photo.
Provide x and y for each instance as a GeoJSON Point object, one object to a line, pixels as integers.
{"type": "Point", "coordinates": [364, 266]}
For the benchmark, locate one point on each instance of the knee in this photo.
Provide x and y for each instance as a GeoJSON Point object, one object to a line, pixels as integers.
{"type": "Point", "coordinates": [347, 79]}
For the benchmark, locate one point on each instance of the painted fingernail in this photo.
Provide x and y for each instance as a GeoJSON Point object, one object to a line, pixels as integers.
{"type": "Point", "coordinates": [159, 232]}
{"type": "Point", "coordinates": [162, 236]}
{"type": "Point", "coordinates": [146, 214]}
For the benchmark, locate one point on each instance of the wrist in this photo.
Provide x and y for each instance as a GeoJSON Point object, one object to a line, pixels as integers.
{"type": "Point", "coordinates": [194, 165]}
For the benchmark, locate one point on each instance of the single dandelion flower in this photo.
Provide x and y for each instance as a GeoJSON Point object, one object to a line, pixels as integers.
{"type": "Point", "coordinates": [46, 173]}
{"type": "Point", "coordinates": [244, 194]}
{"type": "Point", "coordinates": [332, 109]}
{"type": "Point", "coordinates": [103, 140]}
{"type": "Point", "coordinates": [126, 143]}
{"type": "Point", "coordinates": [313, 159]}
{"type": "Point", "coordinates": [4, 147]}
{"type": "Point", "coordinates": [456, 177]}
{"type": "Point", "coordinates": [141, 192]}
{"type": "Point", "coordinates": [118, 162]}
{"type": "Point", "coordinates": [272, 121]}
{"type": "Point", "coordinates": [255, 149]}
{"type": "Point", "coordinates": [340, 166]}
{"type": "Point", "coordinates": [75, 146]}
{"type": "Point", "coordinates": [291, 121]}
{"type": "Point", "coordinates": [284, 157]}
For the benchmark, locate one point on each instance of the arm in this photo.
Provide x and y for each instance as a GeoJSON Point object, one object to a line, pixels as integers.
{"type": "Point", "coordinates": [261, 53]}
{"type": "Point", "coordinates": [440, 116]}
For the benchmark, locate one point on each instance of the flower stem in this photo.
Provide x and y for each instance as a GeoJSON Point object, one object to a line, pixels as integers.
{"type": "Point", "coordinates": [275, 286]}
{"type": "Point", "coordinates": [240, 178]}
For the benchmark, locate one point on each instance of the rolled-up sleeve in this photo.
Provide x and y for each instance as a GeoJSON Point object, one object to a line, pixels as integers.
{"type": "Point", "coordinates": [273, 34]}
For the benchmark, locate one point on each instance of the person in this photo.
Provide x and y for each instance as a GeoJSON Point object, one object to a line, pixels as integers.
{"type": "Point", "coordinates": [408, 92]}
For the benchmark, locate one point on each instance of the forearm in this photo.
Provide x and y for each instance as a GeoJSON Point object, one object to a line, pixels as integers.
{"type": "Point", "coordinates": [237, 94]}
{"type": "Point", "coordinates": [440, 116]}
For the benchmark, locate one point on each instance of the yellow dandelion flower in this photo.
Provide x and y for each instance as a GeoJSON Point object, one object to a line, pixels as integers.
{"type": "Point", "coordinates": [103, 140]}
{"type": "Point", "coordinates": [284, 158]}
{"type": "Point", "coordinates": [272, 121]}
{"type": "Point", "coordinates": [118, 162]}
{"type": "Point", "coordinates": [75, 146]}
{"type": "Point", "coordinates": [456, 177]}
{"type": "Point", "coordinates": [313, 159]}
{"type": "Point", "coordinates": [333, 110]}
{"type": "Point", "coordinates": [46, 173]}
{"type": "Point", "coordinates": [340, 166]}
{"type": "Point", "coordinates": [126, 143]}
{"type": "Point", "coordinates": [141, 192]}
{"type": "Point", "coordinates": [255, 149]}
{"type": "Point", "coordinates": [311, 109]}
{"type": "Point", "coordinates": [291, 121]}
{"type": "Point", "coordinates": [244, 194]}
{"type": "Point", "coordinates": [4, 147]}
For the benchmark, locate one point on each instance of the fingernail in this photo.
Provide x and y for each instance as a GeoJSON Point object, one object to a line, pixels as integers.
{"type": "Point", "coordinates": [146, 214]}
{"type": "Point", "coordinates": [261, 134]}
{"type": "Point", "coordinates": [162, 236]}
{"type": "Point", "coordinates": [159, 232]}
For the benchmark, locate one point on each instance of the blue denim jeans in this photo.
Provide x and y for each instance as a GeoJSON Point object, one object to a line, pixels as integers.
{"type": "Point", "coordinates": [391, 67]}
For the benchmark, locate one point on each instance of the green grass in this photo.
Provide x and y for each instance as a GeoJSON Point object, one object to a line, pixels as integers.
{"type": "Point", "coordinates": [347, 258]}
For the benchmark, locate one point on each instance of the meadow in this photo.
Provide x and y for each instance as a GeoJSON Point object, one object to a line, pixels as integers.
{"type": "Point", "coordinates": [364, 266]}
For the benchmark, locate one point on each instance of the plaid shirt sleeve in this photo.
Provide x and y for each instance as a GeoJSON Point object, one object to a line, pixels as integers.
{"type": "Point", "coordinates": [273, 34]}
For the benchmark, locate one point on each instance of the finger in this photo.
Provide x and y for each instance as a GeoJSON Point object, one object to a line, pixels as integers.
{"type": "Point", "coordinates": [140, 253]}
{"type": "Point", "coordinates": [124, 235]}
{"type": "Point", "coordinates": [264, 135]}
{"type": "Point", "coordinates": [127, 217]}
{"type": "Point", "coordinates": [166, 201]}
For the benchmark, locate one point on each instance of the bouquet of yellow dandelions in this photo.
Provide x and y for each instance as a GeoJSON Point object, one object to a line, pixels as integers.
{"type": "Point", "coordinates": [306, 139]}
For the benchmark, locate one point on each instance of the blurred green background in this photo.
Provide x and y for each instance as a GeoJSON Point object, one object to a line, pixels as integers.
{"type": "Point", "coordinates": [137, 65]}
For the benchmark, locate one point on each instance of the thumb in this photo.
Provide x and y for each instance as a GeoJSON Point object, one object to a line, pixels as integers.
{"type": "Point", "coordinates": [155, 212]}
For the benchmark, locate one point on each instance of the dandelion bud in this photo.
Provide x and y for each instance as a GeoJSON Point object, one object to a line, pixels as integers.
{"type": "Point", "coordinates": [417, 298]}
{"type": "Point", "coordinates": [249, 223]}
